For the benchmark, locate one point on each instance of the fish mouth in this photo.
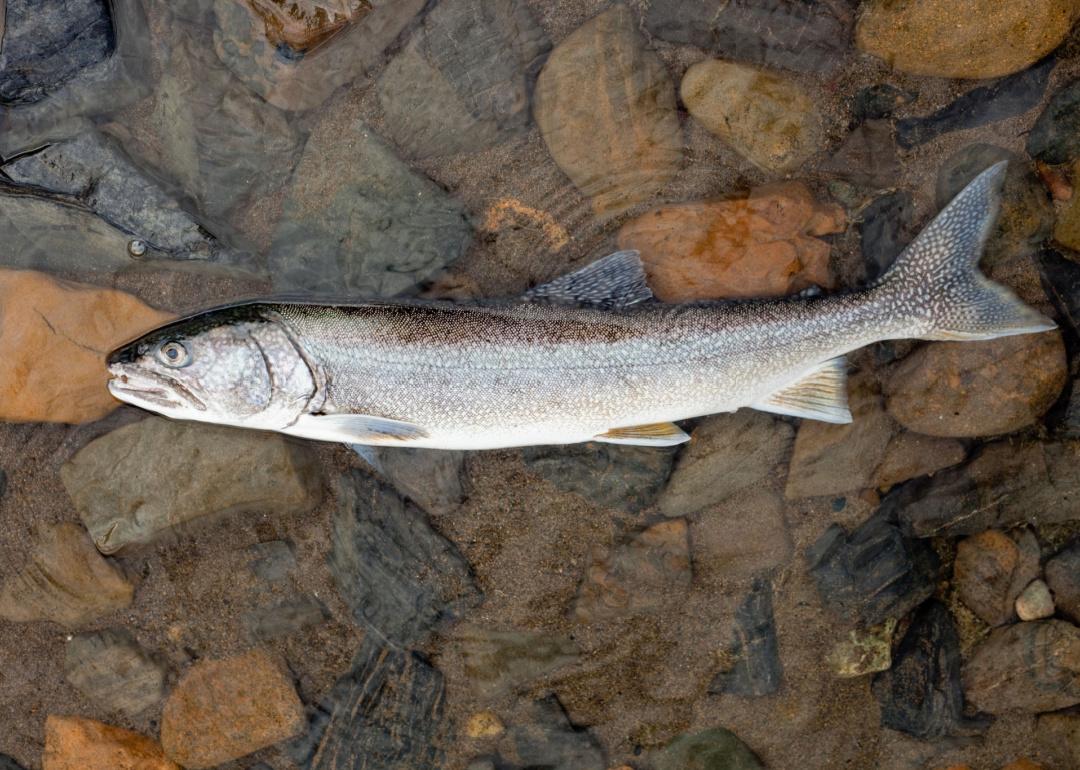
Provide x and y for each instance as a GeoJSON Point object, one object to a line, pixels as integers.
{"type": "Point", "coordinates": [150, 390]}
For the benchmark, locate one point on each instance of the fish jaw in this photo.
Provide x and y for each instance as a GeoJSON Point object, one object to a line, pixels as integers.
{"type": "Point", "coordinates": [152, 391]}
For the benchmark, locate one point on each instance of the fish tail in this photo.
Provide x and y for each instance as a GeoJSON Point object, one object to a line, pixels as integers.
{"type": "Point", "coordinates": [936, 283]}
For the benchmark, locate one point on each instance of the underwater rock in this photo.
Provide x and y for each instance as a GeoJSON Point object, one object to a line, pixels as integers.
{"type": "Point", "coordinates": [1061, 279]}
{"type": "Point", "coordinates": [464, 80]}
{"type": "Point", "coordinates": [400, 577]}
{"type": "Point", "coordinates": [966, 39]}
{"type": "Point", "coordinates": [743, 536]}
{"type": "Point", "coordinates": [886, 226]}
{"type": "Point", "coordinates": [434, 479]}
{"type": "Point", "coordinates": [1058, 734]}
{"type": "Point", "coordinates": [1035, 602]}
{"type": "Point", "coordinates": [483, 725]}
{"type": "Point", "coordinates": [864, 651]}
{"type": "Point", "coordinates": [1055, 137]}
{"type": "Point", "coordinates": [7, 763]}
{"type": "Point", "coordinates": [606, 109]}
{"type": "Point", "coordinates": [225, 709]}
{"type": "Point", "coordinates": [879, 101]}
{"type": "Point", "coordinates": [498, 661]}
{"type": "Point", "coordinates": [142, 482]}
{"type": "Point", "coordinates": [1063, 578]}
{"type": "Point", "coordinates": [285, 617]}
{"type": "Point", "coordinates": [549, 740]}
{"type": "Point", "coordinates": [762, 245]}
{"type": "Point", "coordinates": [754, 648]}
{"type": "Point", "coordinates": [867, 157]}
{"type": "Point", "coordinates": [716, 749]}
{"type": "Point", "coordinates": [991, 570]}
{"type": "Point", "coordinates": [75, 743]}
{"type": "Point", "coordinates": [65, 581]}
{"type": "Point", "coordinates": [112, 670]}
{"type": "Point", "coordinates": [766, 118]}
{"type": "Point", "coordinates": [1067, 220]}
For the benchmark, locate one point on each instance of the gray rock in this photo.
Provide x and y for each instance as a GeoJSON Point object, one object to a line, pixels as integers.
{"type": "Point", "coordinates": [141, 482]}
{"type": "Point", "coordinates": [284, 618]}
{"type": "Point", "coordinates": [550, 741]}
{"type": "Point", "coordinates": [498, 661]}
{"type": "Point", "coordinates": [879, 101]}
{"type": "Point", "coordinates": [434, 479]}
{"type": "Point", "coordinates": [400, 577]}
{"type": "Point", "coordinates": [1063, 577]}
{"type": "Point", "coordinates": [7, 763]}
{"type": "Point", "coordinates": [887, 225]}
{"type": "Point", "coordinates": [1055, 137]}
{"type": "Point", "coordinates": [3, 483]}
{"type": "Point", "coordinates": [272, 561]}
{"type": "Point", "coordinates": [359, 221]}
{"type": "Point", "coordinates": [716, 749]}
{"type": "Point", "coordinates": [112, 670]}
{"type": "Point", "coordinates": [754, 648]}
{"type": "Point", "coordinates": [868, 157]}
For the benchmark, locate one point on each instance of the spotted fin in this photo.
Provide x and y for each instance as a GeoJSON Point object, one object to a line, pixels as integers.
{"type": "Point", "coordinates": [611, 283]}
{"type": "Point", "coordinates": [655, 434]}
{"type": "Point", "coordinates": [355, 429]}
{"type": "Point", "coordinates": [820, 395]}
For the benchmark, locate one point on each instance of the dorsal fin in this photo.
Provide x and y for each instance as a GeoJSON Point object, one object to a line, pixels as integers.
{"type": "Point", "coordinates": [820, 395]}
{"type": "Point", "coordinates": [611, 283]}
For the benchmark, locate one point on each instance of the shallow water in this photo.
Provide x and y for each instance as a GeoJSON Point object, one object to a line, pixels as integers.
{"type": "Point", "coordinates": [832, 596]}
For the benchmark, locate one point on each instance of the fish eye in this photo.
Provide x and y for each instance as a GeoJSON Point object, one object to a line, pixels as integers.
{"type": "Point", "coordinates": [174, 354]}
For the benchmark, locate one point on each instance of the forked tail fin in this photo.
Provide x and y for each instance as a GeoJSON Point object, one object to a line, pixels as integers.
{"type": "Point", "coordinates": [936, 280]}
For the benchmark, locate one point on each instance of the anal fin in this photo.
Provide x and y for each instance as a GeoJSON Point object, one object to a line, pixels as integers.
{"type": "Point", "coordinates": [655, 434]}
{"type": "Point", "coordinates": [820, 395]}
{"type": "Point", "coordinates": [355, 429]}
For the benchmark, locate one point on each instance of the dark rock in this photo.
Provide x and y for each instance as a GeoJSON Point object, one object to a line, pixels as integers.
{"type": "Point", "coordinates": [879, 101]}
{"type": "Point", "coordinates": [1061, 280]}
{"type": "Point", "coordinates": [1055, 137]}
{"type": "Point", "coordinates": [872, 573]}
{"type": "Point", "coordinates": [497, 661]}
{"type": "Point", "coordinates": [272, 561]}
{"type": "Point", "coordinates": [754, 648]}
{"type": "Point", "coordinates": [886, 227]}
{"type": "Point", "coordinates": [7, 763]}
{"type": "Point", "coordinates": [387, 712]}
{"type": "Point", "coordinates": [551, 742]}
{"type": "Point", "coordinates": [112, 670]}
{"type": "Point", "coordinates": [991, 570]}
{"type": "Point", "coordinates": [608, 475]}
{"type": "Point", "coordinates": [921, 694]}
{"type": "Point", "coordinates": [716, 749]}
{"type": "Point", "coordinates": [867, 157]}
{"type": "Point", "coordinates": [399, 576]}
{"type": "Point", "coordinates": [285, 618]}
{"type": "Point", "coordinates": [1063, 577]}
{"type": "Point", "coordinates": [434, 479]}
{"type": "Point", "coordinates": [3, 483]}
{"type": "Point", "coordinates": [1010, 96]}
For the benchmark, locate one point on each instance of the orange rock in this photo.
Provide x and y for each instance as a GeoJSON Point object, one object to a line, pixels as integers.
{"type": "Point", "coordinates": [303, 24]}
{"type": "Point", "coordinates": [758, 246]}
{"type": "Point", "coordinates": [225, 709]}
{"type": "Point", "coordinates": [1022, 764]}
{"type": "Point", "coordinates": [54, 336]}
{"type": "Point", "coordinates": [74, 743]}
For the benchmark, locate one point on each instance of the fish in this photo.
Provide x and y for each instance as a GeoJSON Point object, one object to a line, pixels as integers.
{"type": "Point", "coordinates": [590, 356]}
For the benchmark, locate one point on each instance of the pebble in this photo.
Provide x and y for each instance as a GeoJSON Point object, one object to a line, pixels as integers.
{"type": "Point", "coordinates": [966, 38]}
{"type": "Point", "coordinates": [1035, 602]}
{"type": "Point", "coordinates": [551, 741]}
{"type": "Point", "coordinates": [1055, 137]}
{"type": "Point", "coordinates": [75, 743]}
{"type": "Point", "coordinates": [763, 245]}
{"type": "Point", "coordinates": [879, 101]}
{"type": "Point", "coordinates": [1029, 667]}
{"type": "Point", "coordinates": [867, 157]}
{"type": "Point", "coordinates": [221, 710]}
{"type": "Point", "coordinates": [113, 671]}
{"type": "Point", "coordinates": [715, 749]}
{"type": "Point", "coordinates": [499, 661]}
{"type": "Point", "coordinates": [483, 725]}
{"type": "Point", "coordinates": [434, 479]}
{"type": "Point", "coordinates": [145, 481]}
{"type": "Point", "coordinates": [285, 618]}
{"type": "Point", "coordinates": [65, 581]}
{"type": "Point", "coordinates": [864, 651]}
{"type": "Point", "coordinates": [754, 649]}
{"type": "Point", "coordinates": [743, 537]}
{"type": "Point", "coordinates": [886, 226]}
{"type": "Point", "coordinates": [991, 570]}
{"type": "Point", "coordinates": [605, 105]}
{"type": "Point", "coordinates": [766, 118]}
{"type": "Point", "coordinates": [1063, 578]}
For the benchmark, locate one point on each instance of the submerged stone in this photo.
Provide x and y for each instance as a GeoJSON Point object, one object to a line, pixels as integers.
{"type": "Point", "coordinates": [549, 740]}
{"type": "Point", "coordinates": [990, 571]}
{"type": "Point", "coordinates": [867, 157]}
{"type": "Point", "coordinates": [1055, 137]}
{"type": "Point", "coordinates": [75, 743]}
{"type": "Point", "coordinates": [286, 617]}
{"type": "Point", "coordinates": [754, 648]}
{"type": "Point", "coordinates": [715, 749]}
{"type": "Point", "coordinates": [434, 479]}
{"type": "Point", "coordinates": [498, 661]}
{"type": "Point", "coordinates": [112, 670]}
{"type": "Point", "coordinates": [886, 226]}
{"type": "Point", "coordinates": [1063, 578]}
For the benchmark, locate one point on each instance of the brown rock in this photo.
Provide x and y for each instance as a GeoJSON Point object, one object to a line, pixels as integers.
{"type": "Point", "coordinates": [868, 156]}
{"type": "Point", "coordinates": [303, 24]}
{"type": "Point", "coordinates": [1063, 578]}
{"type": "Point", "coordinates": [1022, 764]}
{"type": "Point", "coordinates": [1025, 667]}
{"type": "Point", "coordinates": [74, 743]}
{"type": "Point", "coordinates": [605, 106]}
{"type": "Point", "coordinates": [1059, 737]}
{"type": "Point", "coordinates": [225, 709]}
{"type": "Point", "coordinates": [910, 455]}
{"type": "Point", "coordinates": [759, 246]}
{"type": "Point", "coordinates": [742, 537]}
{"type": "Point", "coordinates": [974, 389]}
{"type": "Point", "coordinates": [484, 724]}
{"type": "Point", "coordinates": [991, 570]}
{"type": "Point", "coordinates": [1035, 602]}
{"type": "Point", "coordinates": [963, 38]}
{"type": "Point", "coordinates": [54, 336]}
{"type": "Point", "coordinates": [66, 581]}
{"type": "Point", "coordinates": [1067, 222]}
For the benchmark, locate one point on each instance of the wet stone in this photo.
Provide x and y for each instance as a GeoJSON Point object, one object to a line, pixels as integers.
{"type": "Point", "coordinates": [754, 648]}
{"type": "Point", "coordinates": [879, 101]}
{"type": "Point", "coordinates": [1061, 279]}
{"type": "Point", "coordinates": [286, 617]}
{"type": "Point", "coordinates": [715, 749]}
{"type": "Point", "coordinates": [434, 479]}
{"type": "Point", "coordinates": [864, 651]}
{"type": "Point", "coordinates": [7, 763]}
{"type": "Point", "coordinates": [1055, 137]}
{"type": "Point", "coordinates": [921, 694]}
{"type": "Point", "coordinates": [75, 743]}
{"type": "Point", "coordinates": [1063, 578]}
{"type": "Point", "coordinates": [484, 725]}
{"type": "Point", "coordinates": [742, 537]}
{"type": "Point", "coordinates": [886, 226]}
{"type": "Point", "coordinates": [1035, 602]}
{"type": "Point", "coordinates": [549, 740]}
{"type": "Point", "coordinates": [498, 661]}
{"type": "Point", "coordinates": [867, 157]}
{"type": "Point", "coordinates": [990, 571]}
{"type": "Point", "coordinates": [113, 671]}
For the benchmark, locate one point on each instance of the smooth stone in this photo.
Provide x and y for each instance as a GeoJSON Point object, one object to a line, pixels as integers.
{"type": "Point", "coordinates": [864, 651]}
{"type": "Point", "coordinates": [873, 572]}
{"type": "Point", "coordinates": [145, 481]}
{"type": "Point", "coordinates": [1063, 578]}
{"type": "Point", "coordinates": [886, 226]}
{"type": "Point", "coordinates": [434, 479]}
{"type": "Point", "coordinates": [500, 661]}
{"type": "Point", "coordinates": [763, 245]}
{"type": "Point", "coordinates": [357, 220]}
{"type": "Point", "coordinates": [463, 81]}
{"type": "Point", "coordinates": [400, 577]}
{"type": "Point", "coordinates": [222, 710]}
{"type": "Point", "coordinates": [1035, 602]}
{"type": "Point", "coordinates": [921, 694]}
{"type": "Point", "coordinates": [963, 38]}
{"type": "Point", "coordinates": [867, 157]}
{"type": "Point", "coordinates": [1055, 137]}
{"type": "Point", "coordinates": [715, 749]}
{"type": "Point", "coordinates": [286, 617]}
{"type": "Point", "coordinates": [66, 581]}
{"type": "Point", "coordinates": [766, 118]}
{"type": "Point", "coordinates": [605, 106]}
{"type": "Point", "coordinates": [754, 649]}
{"type": "Point", "coordinates": [551, 741]}
{"type": "Point", "coordinates": [1028, 667]}
{"type": "Point", "coordinates": [879, 101]}
{"type": "Point", "coordinates": [990, 571]}
{"type": "Point", "coordinates": [742, 537]}
{"type": "Point", "coordinates": [728, 454]}
{"type": "Point", "coordinates": [113, 671]}
{"type": "Point", "coordinates": [75, 743]}
{"type": "Point", "coordinates": [54, 336]}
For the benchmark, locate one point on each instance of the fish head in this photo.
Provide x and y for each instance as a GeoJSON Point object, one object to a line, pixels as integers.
{"type": "Point", "coordinates": [234, 366]}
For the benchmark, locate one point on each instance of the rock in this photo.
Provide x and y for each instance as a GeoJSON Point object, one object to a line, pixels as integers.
{"type": "Point", "coordinates": [759, 246]}
{"type": "Point", "coordinates": [1063, 578]}
{"type": "Point", "coordinates": [74, 743]}
{"type": "Point", "coordinates": [967, 39]}
{"type": "Point", "coordinates": [144, 481]}
{"type": "Point", "coordinates": [7, 763]}
{"type": "Point", "coordinates": [1035, 602]}
{"type": "Point", "coordinates": [879, 101]}
{"type": "Point", "coordinates": [887, 225]}
{"type": "Point", "coordinates": [112, 670]}
{"type": "Point", "coordinates": [872, 573]}
{"type": "Point", "coordinates": [399, 576]}
{"type": "Point", "coordinates": [1022, 764]}
{"type": "Point", "coordinates": [742, 537]}
{"type": "Point", "coordinates": [1055, 137]}
{"type": "Point", "coordinates": [498, 661]}
{"type": "Point", "coordinates": [991, 570]}
{"type": "Point", "coordinates": [66, 581]}
{"type": "Point", "coordinates": [363, 223]}
{"type": "Point", "coordinates": [551, 741]}
{"type": "Point", "coordinates": [1061, 278]}
{"type": "Point", "coordinates": [646, 574]}
{"type": "Point", "coordinates": [484, 725]}
{"type": "Point", "coordinates": [981, 106]}
{"type": "Point", "coordinates": [716, 749]}
{"type": "Point", "coordinates": [910, 455]}
{"type": "Point", "coordinates": [1067, 222]}
{"type": "Point", "coordinates": [1059, 734]}
{"type": "Point", "coordinates": [434, 479]}
{"type": "Point", "coordinates": [867, 157]}
{"type": "Point", "coordinates": [754, 648]}
{"type": "Point", "coordinates": [921, 694]}
{"type": "Point", "coordinates": [863, 652]}
{"type": "Point", "coordinates": [609, 475]}
{"type": "Point", "coordinates": [225, 709]}
{"type": "Point", "coordinates": [272, 561]}
{"type": "Point", "coordinates": [463, 81]}
{"type": "Point", "coordinates": [54, 336]}
{"type": "Point", "coordinates": [1027, 667]}
{"type": "Point", "coordinates": [286, 617]}
{"type": "Point", "coordinates": [605, 106]}
{"type": "Point", "coordinates": [766, 118]}
{"type": "Point", "coordinates": [387, 712]}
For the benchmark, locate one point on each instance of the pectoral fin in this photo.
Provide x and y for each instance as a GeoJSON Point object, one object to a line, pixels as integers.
{"type": "Point", "coordinates": [820, 395]}
{"type": "Point", "coordinates": [657, 434]}
{"type": "Point", "coordinates": [355, 429]}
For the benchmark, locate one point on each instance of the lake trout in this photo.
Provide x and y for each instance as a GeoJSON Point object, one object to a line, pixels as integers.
{"type": "Point", "coordinates": [585, 358]}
